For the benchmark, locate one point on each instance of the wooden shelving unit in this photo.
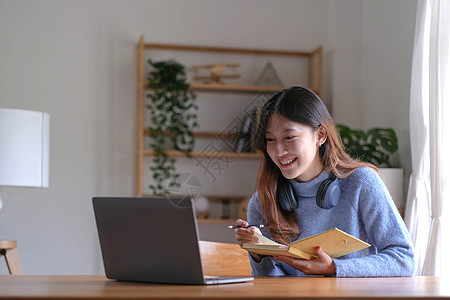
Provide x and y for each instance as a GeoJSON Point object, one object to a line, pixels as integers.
{"type": "Point", "coordinates": [314, 83]}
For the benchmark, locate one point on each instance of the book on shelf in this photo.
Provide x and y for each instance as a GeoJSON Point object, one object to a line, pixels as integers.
{"type": "Point", "coordinates": [246, 139]}
{"type": "Point", "coordinates": [243, 139]}
{"type": "Point", "coordinates": [334, 242]}
{"type": "Point", "coordinates": [254, 128]}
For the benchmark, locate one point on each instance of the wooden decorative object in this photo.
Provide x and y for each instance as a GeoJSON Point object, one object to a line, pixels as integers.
{"type": "Point", "coordinates": [215, 72]}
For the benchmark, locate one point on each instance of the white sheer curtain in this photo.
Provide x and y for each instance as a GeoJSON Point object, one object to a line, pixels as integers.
{"type": "Point", "coordinates": [427, 209]}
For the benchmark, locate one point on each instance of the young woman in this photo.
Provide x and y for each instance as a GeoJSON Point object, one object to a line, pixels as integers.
{"type": "Point", "coordinates": [307, 184]}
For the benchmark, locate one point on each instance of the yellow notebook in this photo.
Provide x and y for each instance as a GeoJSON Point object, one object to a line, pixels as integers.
{"type": "Point", "coordinates": [334, 242]}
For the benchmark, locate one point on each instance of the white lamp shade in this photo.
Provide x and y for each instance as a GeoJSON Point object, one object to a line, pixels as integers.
{"type": "Point", "coordinates": [24, 148]}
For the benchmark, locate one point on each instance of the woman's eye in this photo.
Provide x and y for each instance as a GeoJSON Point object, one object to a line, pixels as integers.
{"type": "Point", "coordinates": [289, 138]}
{"type": "Point", "coordinates": [269, 140]}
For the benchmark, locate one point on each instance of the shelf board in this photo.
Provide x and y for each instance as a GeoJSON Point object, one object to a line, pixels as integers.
{"type": "Point", "coordinates": [203, 134]}
{"type": "Point", "coordinates": [233, 88]}
{"type": "Point", "coordinates": [176, 153]}
{"type": "Point", "coordinates": [230, 88]}
{"type": "Point", "coordinates": [214, 87]}
{"type": "Point", "coordinates": [229, 50]}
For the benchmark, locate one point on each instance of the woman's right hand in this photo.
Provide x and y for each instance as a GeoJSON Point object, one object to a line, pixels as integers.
{"type": "Point", "coordinates": [246, 235]}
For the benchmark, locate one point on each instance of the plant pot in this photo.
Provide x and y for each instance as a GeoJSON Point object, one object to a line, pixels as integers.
{"type": "Point", "coordinates": [393, 178]}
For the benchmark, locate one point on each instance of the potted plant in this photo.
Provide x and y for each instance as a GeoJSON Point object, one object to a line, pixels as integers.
{"type": "Point", "coordinates": [173, 115]}
{"type": "Point", "coordinates": [376, 146]}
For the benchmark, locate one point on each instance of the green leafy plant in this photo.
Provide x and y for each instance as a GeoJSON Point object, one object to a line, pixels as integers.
{"type": "Point", "coordinates": [173, 115]}
{"type": "Point", "coordinates": [376, 146]}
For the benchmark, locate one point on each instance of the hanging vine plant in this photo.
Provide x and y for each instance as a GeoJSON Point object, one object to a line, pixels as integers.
{"type": "Point", "coordinates": [173, 115]}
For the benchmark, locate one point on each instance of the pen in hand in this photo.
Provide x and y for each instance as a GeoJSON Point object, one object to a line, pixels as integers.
{"type": "Point", "coordinates": [250, 225]}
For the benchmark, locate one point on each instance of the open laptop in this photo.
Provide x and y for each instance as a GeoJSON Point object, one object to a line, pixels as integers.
{"type": "Point", "coordinates": [151, 240]}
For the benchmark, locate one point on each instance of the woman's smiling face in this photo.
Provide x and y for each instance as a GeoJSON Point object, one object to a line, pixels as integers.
{"type": "Point", "coordinates": [294, 148]}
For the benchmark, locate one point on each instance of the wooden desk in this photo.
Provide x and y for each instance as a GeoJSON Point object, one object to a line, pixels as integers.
{"type": "Point", "coordinates": [98, 287]}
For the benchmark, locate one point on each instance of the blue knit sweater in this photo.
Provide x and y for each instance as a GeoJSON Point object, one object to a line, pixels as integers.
{"type": "Point", "coordinates": [365, 210]}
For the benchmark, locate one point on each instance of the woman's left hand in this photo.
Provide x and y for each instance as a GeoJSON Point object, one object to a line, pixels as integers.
{"type": "Point", "coordinates": [322, 265]}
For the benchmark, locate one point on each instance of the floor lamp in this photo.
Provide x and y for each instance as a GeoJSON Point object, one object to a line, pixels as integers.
{"type": "Point", "coordinates": [24, 161]}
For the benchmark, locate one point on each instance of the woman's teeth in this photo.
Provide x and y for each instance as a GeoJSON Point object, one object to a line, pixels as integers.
{"type": "Point", "coordinates": [286, 162]}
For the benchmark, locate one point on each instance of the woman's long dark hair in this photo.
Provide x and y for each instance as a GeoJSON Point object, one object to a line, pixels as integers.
{"type": "Point", "coordinates": [303, 106]}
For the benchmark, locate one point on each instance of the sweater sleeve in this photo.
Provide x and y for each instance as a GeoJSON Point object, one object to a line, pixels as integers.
{"type": "Point", "coordinates": [267, 266]}
{"type": "Point", "coordinates": [392, 251]}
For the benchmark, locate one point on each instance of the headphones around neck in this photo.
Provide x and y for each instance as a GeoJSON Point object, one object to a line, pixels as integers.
{"type": "Point", "coordinates": [328, 194]}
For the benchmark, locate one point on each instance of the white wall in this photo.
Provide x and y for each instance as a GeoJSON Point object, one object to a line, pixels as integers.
{"type": "Point", "coordinates": [387, 44]}
{"type": "Point", "coordinates": [371, 48]}
{"type": "Point", "coordinates": [76, 60]}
